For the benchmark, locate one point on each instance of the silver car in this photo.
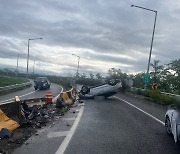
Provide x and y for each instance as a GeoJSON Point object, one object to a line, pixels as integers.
{"type": "Point", "coordinates": [172, 122]}
{"type": "Point", "coordinates": [107, 89]}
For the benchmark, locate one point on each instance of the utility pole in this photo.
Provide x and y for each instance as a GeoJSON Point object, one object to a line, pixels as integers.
{"type": "Point", "coordinates": [78, 63]}
{"type": "Point", "coordinates": [27, 74]}
{"type": "Point", "coordinates": [17, 65]}
{"type": "Point", "coordinates": [147, 73]}
{"type": "Point", "coordinates": [34, 66]}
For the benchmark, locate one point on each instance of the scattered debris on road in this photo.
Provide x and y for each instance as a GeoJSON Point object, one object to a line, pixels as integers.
{"type": "Point", "coordinates": [5, 133]}
{"type": "Point", "coordinates": [36, 117]}
{"type": "Point", "coordinates": [32, 116]}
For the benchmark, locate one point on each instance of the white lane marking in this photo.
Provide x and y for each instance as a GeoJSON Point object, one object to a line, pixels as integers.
{"type": "Point", "coordinates": [57, 134]}
{"type": "Point", "coordinates": [67, 139]}
{"type": "Point", "coordinates": [7, 101]}
{"type": "Point", "coordinates": [161, 122]}
{"type": "Point", "coordinates": [28, 93]}
{"type": "Point", "coordinates": [69, 119]}
{"type": "Point", "coordinates": [19, 96]}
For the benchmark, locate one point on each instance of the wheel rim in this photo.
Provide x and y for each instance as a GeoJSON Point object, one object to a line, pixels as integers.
{"type": "Point", "coordinates": [84, 90]}
{"type": "Point", "coordinates": [112, 81]}
{"type": "Point", "coordinates": [168, 126]}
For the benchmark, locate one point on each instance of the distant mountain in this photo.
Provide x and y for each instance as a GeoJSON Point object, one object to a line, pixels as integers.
{"type": "Point", "coordinates": [23, 70]}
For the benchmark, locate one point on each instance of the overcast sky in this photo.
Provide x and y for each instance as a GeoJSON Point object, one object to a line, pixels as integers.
{"type": "Point", "coordinates": [104, 33]}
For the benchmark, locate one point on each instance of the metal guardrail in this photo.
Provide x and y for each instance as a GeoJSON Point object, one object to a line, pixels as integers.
{"type": "Point", "coordinates": [11, 87]}
{"type": "Point", "coordinates": [137, 88]}
{"type": "Point", "coordinates": [170, 94]}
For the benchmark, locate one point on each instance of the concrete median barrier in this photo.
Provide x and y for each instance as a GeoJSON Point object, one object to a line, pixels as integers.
{"type": "Point", "coordinates": [10, 109]}
{"type": "Point", "coordinates": [73, 94]}
{"type": "Point", "coordinates": [68, 97]}
{"type": "Point", "coordinates": [6, 122]}
{"type": "Point", "coordinates": [11, 115]}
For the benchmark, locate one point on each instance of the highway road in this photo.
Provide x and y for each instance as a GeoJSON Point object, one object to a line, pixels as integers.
{"type": "Point", "coordinates": [29, 93]}
{"type": "Point", "coordinates": [122, 124]}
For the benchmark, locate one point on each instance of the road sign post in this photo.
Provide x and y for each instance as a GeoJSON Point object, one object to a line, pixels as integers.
{"type": "Point", "coordinates": [147, 78]}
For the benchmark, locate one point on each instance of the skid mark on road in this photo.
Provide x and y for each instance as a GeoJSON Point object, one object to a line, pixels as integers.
{"type": "Point", "coordinates": [161, 122]}
{"type": "Point", "coordinates": [68, 137]}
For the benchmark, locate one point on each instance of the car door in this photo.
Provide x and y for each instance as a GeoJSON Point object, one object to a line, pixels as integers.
{"type": "Point", "coordinates": [99, 90]}
{"type": "Point", "coordinates": [174, 124]}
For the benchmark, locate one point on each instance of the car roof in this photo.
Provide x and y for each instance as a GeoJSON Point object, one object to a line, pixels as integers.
{"type": "Point", "coordinates": [41, 78]}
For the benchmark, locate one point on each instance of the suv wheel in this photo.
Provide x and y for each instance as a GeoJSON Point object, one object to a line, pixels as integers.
{"type": "Point", "coordinates": [168, 125]}
{"type": "Point", "coordinates": [112, 82]}
{"type": "Point", "coordinates": [85, 90]}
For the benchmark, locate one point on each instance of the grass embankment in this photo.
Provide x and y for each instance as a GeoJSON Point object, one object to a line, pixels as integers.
{"type": "Point", "coordinates": [7, 81]}
{"type": "Point", "coordinates": [157, 97]}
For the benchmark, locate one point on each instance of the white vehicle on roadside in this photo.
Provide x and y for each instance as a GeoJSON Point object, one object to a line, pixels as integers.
{"type": "Point", "coordinates": [111, 87]}
{"type": "Point", "coordinates": [172, 122]}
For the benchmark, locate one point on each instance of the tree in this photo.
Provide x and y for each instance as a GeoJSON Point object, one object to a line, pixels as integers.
{"type": "Point", "coordinates": [98, 76]}
{"type": "Point", "coordinates": [91, 76]}
{"type": "Point", "coordinates": [173, 75]}
{"type": "Point", "coordinates": [83, 76]}
{"type": "Point", "coordinates": [114, 73]}
{"type": "Point", "coordinates": [117, 74]}
{"type": "Point", "coordinates": [156, 73]}
{"type": "Point", "coordinates": [138, 80]}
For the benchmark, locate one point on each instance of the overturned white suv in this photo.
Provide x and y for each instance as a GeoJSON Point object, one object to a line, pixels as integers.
{"type": "Point", "coordinates": [172, 122]}
{"type": "Point", "coordinates": [109, 88]}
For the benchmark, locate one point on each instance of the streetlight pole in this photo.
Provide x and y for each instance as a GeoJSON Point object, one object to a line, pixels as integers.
{"type": "Point", "coordinates": [28, 55]}
{"type": "Point", "coordinates": [33, 66]}
{"type": "Point", "coordinates": [78, 63]}
{"type": "Point", "coordinates": [18, 63]}
{"type": "Point", "coordinates": [145, 86]}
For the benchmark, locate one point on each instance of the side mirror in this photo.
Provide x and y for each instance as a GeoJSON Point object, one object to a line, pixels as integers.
{"type": "Point", "coordinates": [172, 105]}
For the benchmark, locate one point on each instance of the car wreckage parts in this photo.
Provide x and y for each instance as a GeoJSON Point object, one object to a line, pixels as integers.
{"type": "Point", "coordinates": [6, 122]}
{"type": "Point", "coordinates": [67, 97]}
{"type": "Point", "coordinates": [20, 111]}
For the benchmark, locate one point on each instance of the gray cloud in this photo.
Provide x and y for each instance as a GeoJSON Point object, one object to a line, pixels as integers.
{"type": "Point", "coordinates": [107, 28]}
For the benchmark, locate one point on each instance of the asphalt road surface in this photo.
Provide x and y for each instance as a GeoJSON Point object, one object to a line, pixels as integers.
{"type": "Point", "coordinates": [113, 126]}
{"type": "Point", "coordinates": [123, 124]}
{"type": "Point", "coordinates": [29, 93]}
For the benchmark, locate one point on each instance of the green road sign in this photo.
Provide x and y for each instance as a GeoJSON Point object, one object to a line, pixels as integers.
{"type": "Point", "coordinates": [146, 78]}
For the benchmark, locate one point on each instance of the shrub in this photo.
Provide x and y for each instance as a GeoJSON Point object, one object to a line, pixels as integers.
{"type": "Point", "coordinates": [177, 92]}
{"type": "Point", "coordinates": [147, 93]}
{"type": "Point", "coordinates": [139, 92]}
{"type": "Point", "coordinates": [167, 100]}
{"type": "Point", "coordinates": [157, 97]}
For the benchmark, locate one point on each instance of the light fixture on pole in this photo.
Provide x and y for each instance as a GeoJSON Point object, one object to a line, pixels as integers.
{"type": "Point", "coordinates": [147, 74]}
{"type": "Point", "coordinates": [78, 63]}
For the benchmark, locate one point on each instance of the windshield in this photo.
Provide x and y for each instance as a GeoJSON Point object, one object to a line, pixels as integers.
{"type": "Point", "coordinates": [41, 80]}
